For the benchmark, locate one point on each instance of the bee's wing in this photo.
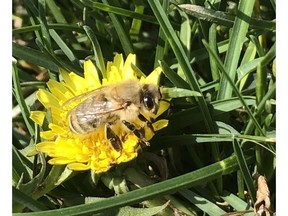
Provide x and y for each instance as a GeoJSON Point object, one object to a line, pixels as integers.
{"type": "Point", "coordinates": [81, 96]}
{"type": "Point", "coordinates": [97, 108]}
{"type": "Point", "coordinates": [98, 105]}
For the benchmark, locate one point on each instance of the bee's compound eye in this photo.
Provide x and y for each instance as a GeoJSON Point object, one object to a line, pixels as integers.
{"type": "Point", "coordinates": [148, 102]}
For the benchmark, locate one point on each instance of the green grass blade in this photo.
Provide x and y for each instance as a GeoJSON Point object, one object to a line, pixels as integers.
{"type": "Point", "coordinates": [202, 203]}
{"type": "Point", "coordinates": [44, 27]}
{"type": "Point", "coordinates": [59, 62]}
{"type": "Point", "coordinates": [213, 44]}
{"type": "Point", "coordinates": [235, 201]}
{"type": "Point", "coordinates": [173, 77]}
{"type": "Point", "coordinates": [55, 10]}
{"type": "Point", "coordinates": [261, 106]}
{"type": "Point", "coordinates": [175, 44]}
{"type": "Point", "coordinates": [162, 43]}
{"type": "Point", "coordinates": [238, 35]}
{"type": "Point", "coordinates": [119, 11]}
{"type": "Point", "coordinates": [63, 46]}
{"type": "Point", "coordinates": [19, 168]}
{"type": "Point", "coordinates": [50, 182]}
{"type": "Point", "coordinates": [56, 26]}
{"type": "Point", "coordinates": [34, 16]}
{"type": "Point", "coordinates": [187, 180]}
{"type": "Point", "coordinates": [26, 201]}
{"type": "Point", "coordinates": [185, 38]}
{"type": "Point", "coordinates": [222, 18]}
{"type": "Point", "coordinates": [21, 101]}
{"type": "Point", "coordinates": [244, 70]}
{"type": "Point", "coordinates": [121, 30]}
{"type": "Point", "coordinates": [33, 56]}
{"type": "Point", "coordinates": [244, 170]}
{"type": "Point", "coordinates": [238, 94]}
{"type": "Point", "coordinates": [192, 115]}
{"type": "Point", "coordinates": [97, 51]}
{"type": "Point", "coordinates": [136, 24]}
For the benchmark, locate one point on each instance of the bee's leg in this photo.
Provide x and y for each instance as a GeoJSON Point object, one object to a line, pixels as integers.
{"type": "Point", "coordinates": [137, 132]}
{"type": "Point", "coordinates": [113, 138]}
{"type": "Point", "coordinates": [148, 123]}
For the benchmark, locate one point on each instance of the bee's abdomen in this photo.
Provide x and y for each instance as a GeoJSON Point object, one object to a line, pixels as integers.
{"type": "Point", "coordinates": [80, 125]}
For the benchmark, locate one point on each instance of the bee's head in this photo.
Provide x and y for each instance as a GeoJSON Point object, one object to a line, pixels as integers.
{"type": "Point", "coordinates": [150, 97]}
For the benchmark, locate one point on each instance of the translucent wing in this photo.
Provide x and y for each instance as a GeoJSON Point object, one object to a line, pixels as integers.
{"type": "Point", "coordinates": [94, 111]}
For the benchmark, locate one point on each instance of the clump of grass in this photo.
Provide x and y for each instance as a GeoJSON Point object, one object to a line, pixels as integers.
{"type": "Point", "coordinates": [219, 67]}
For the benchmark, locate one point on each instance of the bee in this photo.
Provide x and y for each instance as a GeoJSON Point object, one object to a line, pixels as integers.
{"type": "Point", "coordinates": [122, 103]}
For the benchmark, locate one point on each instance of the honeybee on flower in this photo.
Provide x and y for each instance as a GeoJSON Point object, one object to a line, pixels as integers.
{"type": "Point", "coordinates": [99, 124]}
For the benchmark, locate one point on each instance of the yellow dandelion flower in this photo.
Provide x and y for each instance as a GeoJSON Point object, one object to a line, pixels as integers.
{"type": "Point", "coordinates": [92, 128]}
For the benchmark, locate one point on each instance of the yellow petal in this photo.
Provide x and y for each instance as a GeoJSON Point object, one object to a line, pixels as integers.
{"type": "Point", "coordinates": [59, 90]}
{"type": "Point", "coordinates": [47, 99]}
{"type": "Point", "coordinates": [38, 117]}
{"type": "Point", "coordinates": [91, 75]}
{"type": "Point", "coordinates": [78, 166]}
{"type": "Point", "coordinates": [48, 135]}
{"type": "Point", "coordinates": [163, 106]}
{"type": "Point", "coordinates": [113, 75]}
{"type": "Point", "coordinates": [60, 161]}
{"type": "Point", "coordinates": [79, 83]}
{"type": "Point", "coordinates": [118, 61]}
{"type": "Point", "coordinates": [57, 129]}
{"type": "Point", "coordinates": [59, 116]}
{"type": "Point", "coordinates": [45, 146]}
{"type": "Point", "coordinates": [158, 125]}
{"type": "Point", "coordinates": [153, 77]}
{"type": "Point", "coordinates": [68, 81]}
{"type": "Point", "coordinates": [128, 72]}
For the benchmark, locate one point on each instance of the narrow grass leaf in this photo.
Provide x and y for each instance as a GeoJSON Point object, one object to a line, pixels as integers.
{"type": "Point", "coordinates": [119, 11]}
{"type": "Point", "coordinates": [232, 84]}
{"type": "Point", "coordinates": [29, 101]}
{"type": "Point", "coordinates": [34, 16]}
{"type": "Point", "coordinates": [202, 203]}
{"type": "Point", "coordinates": [173, 185]}
{"type": "Point", "coordinates": [127, 210]}
{"type": "Point", "coordinates": [185, 38]}
{"type": "Point", "coordinates": [99, 60]}
{"type": "Point", "coordinates": [244, 70]}
{"type": "Point", "coordinates": [178, 92]}
{"type": "Point", "coordinates": [248, 57]}
{"type": "Point", "coordinates": [136, 23]}
{"type": "Point", "coordinates": [164, 142]}
{"type": "Point", "coordinates": [175, 44]}
{"type": "Point", "coordinates": [50, 181]}
{"type": "Point", "coordinates": [55, 26]}
{"type": "Point", "coordinates": [192, 115]}
{"type": "Point", "coordinates": [17, 91]}
{"type": "Point", "coordinates": [244, 169]}
{"type": "Point", "coordinates": [63, 46]}
{"type": "Point", "coordinates": [60, 63]}
{"type": "Point", "coordinates": [261, 106]}
{"type": "Point", "coordinates": [55, 10]}
{"type": "Point", "coordinates": [26, 201]}
{"type": "Point", "coordinates": [121, 30]}
{"type": "Point", "coordinates": [31, 186]}
{"type": "Point", "coordinates": [162, 42]}
{"type": "Point", "coordinates": [239, 31]}
{"type": "Point", "coordinates": [173, 76]}
{"type": "Point", "coordinates": [33, 56]}
{"type": "Point", "coordinates": [19, 168]}
{"type": "Point", "coordinates": [44, 27]}
{"type": "Point", "coordinates": [213, 45]}
{"type": "Point", "coordinates": [223, 18]}
{"type": "Point", "coordinates": [236, 202]}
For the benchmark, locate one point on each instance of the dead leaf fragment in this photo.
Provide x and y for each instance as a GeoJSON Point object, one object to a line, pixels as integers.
{"type": "Point", "coordinates": [262, 204]}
